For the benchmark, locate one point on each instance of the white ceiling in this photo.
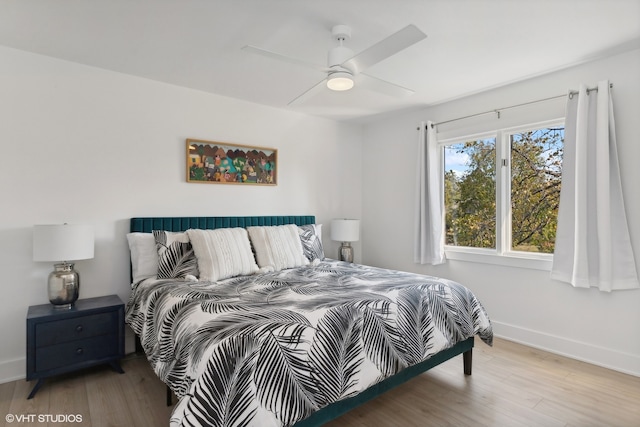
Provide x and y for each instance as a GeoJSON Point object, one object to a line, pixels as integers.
{"type": "Point", "coordinates": [472, 45]}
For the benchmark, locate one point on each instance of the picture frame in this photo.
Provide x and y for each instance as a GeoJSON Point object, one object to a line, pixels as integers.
{"type": "Point", "coordinates": [215, 162]}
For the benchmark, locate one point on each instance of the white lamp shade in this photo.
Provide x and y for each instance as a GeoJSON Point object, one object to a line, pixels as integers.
{"type": "Point", "coordinates": [345, 230]}
{"type": "Point", "coordinates": [62, 242]}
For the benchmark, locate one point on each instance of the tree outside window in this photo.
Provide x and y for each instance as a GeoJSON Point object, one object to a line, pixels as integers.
{"type": "Point", "coordinates": [528, 164]}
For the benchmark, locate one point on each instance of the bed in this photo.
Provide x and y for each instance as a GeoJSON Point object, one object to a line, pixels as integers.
{"type": "Point", "coordinates": [284, 336]}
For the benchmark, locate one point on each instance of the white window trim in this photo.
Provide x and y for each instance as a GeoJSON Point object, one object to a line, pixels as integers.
{"type": "Point", "coordinates": [489, 256]}
{"type": "Point", "coordinates": [502, 255]}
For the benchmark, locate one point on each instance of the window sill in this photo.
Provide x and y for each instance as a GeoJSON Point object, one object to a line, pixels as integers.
{"type": "Point", "coordinates": [531, 261]}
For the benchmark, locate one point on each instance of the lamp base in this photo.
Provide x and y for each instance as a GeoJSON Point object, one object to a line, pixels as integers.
{"type": "Point", "coordinates": [63, 286]}
{"type": "Point", "coordinates": [345, 252]}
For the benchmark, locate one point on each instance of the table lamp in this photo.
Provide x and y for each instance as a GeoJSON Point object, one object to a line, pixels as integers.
{"type": "Point", "coordinates": [345, 231]}
{"type": "Point", "coordinates": [62, 243]}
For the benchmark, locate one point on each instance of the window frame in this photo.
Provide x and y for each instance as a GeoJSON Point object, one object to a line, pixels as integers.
{"type": "Point", "coordinates": [502, 254]}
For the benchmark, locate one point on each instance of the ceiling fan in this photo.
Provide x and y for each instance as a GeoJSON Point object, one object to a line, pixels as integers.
{"type": "Point", "coordinates": [344, 69]}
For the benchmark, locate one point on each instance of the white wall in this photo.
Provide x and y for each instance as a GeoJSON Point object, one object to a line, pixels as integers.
{"type": "Point", "coordinates": [84, 145]}
{"type": "Point", "coordinates": [525, 305]}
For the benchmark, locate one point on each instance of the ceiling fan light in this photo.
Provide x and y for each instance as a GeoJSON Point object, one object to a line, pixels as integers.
{"type": "Point", "coordinates": [340, 81]}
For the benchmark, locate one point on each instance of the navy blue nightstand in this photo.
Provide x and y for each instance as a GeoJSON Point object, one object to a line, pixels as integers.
{"type": "Point", "coordinates": [60, 341]}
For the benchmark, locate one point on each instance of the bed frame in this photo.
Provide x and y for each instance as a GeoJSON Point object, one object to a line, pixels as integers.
{"type": "Point", "coordinates": [328, 413]}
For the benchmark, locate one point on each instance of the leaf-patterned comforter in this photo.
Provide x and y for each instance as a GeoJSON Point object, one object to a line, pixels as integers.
{"type": "Point", "coordinates": [270, 349]}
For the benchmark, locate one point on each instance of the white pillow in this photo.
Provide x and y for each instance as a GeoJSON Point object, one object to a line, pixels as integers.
{"type": "Point", "coordinates": [277, 246]}
{"type": "Point", "coordinates": [144, 256]}
{"type": "Point", "coordinates": [222, 253]}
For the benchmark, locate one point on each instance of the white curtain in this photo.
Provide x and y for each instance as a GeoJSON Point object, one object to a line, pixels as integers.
{"type": "Point", "coordinates": [429, 221]}
{"type": "Point", "coordinates": [593, 246]}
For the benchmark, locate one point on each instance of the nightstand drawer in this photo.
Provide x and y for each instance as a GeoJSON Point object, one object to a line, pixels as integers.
{"type": "Point", "coordinates": [76, 352]}
{"type": "Point", "coordinates": [61, 331]}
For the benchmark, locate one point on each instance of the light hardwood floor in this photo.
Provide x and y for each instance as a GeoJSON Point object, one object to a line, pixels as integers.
{"type": "Point", "coordinates": [512, 385]}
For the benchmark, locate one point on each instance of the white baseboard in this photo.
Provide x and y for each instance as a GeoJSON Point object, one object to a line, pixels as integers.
{"type": "Point", "coordinates": [607, 358]}
{"type": "Point", "coordinates": [11, 370]}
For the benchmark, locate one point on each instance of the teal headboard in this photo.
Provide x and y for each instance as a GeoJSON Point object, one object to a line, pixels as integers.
{"type": "Point", "coordinates": [148, 224]}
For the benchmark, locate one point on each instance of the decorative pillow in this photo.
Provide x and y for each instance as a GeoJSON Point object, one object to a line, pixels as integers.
{"type": "Point", "coordinates": [175, 255]}
{"type": "Point", "coordinates": [222, 253]}
{"type": "Point", "coordinates": [144, 256]}
{"type": "Point", "coordinates": [277, 246]}
{"type": "Point", "coordinates": [311, 239]}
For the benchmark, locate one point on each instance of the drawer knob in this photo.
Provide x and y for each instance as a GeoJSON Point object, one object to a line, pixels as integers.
{"type": "Point", "coordinates": [79, 328]}
{"type": "Point", "coordinates": [79, 351]}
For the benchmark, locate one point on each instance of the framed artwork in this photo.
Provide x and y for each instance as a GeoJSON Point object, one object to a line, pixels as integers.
{"type": "Point", "coordinates": [225, 163]}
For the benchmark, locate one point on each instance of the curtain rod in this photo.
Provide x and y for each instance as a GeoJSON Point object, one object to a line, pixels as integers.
{"type": "Point", "coordinates": [498, 110]}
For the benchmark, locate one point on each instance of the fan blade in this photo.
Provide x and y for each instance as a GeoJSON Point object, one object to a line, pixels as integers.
{"type": "Point", "coordinates": [314, 90]}
{"type": "Point", "coordinates": [278, 56]}
{"type": "Point", "coordinates": [393, 44]}
{"type": "Point", "coordinates": [375, 84]}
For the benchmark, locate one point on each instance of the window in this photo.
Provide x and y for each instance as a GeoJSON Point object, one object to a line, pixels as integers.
{"type": "Point", "coordinates": [470, 193]}
{"type": "Point", "coordinates": [502, 190]}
